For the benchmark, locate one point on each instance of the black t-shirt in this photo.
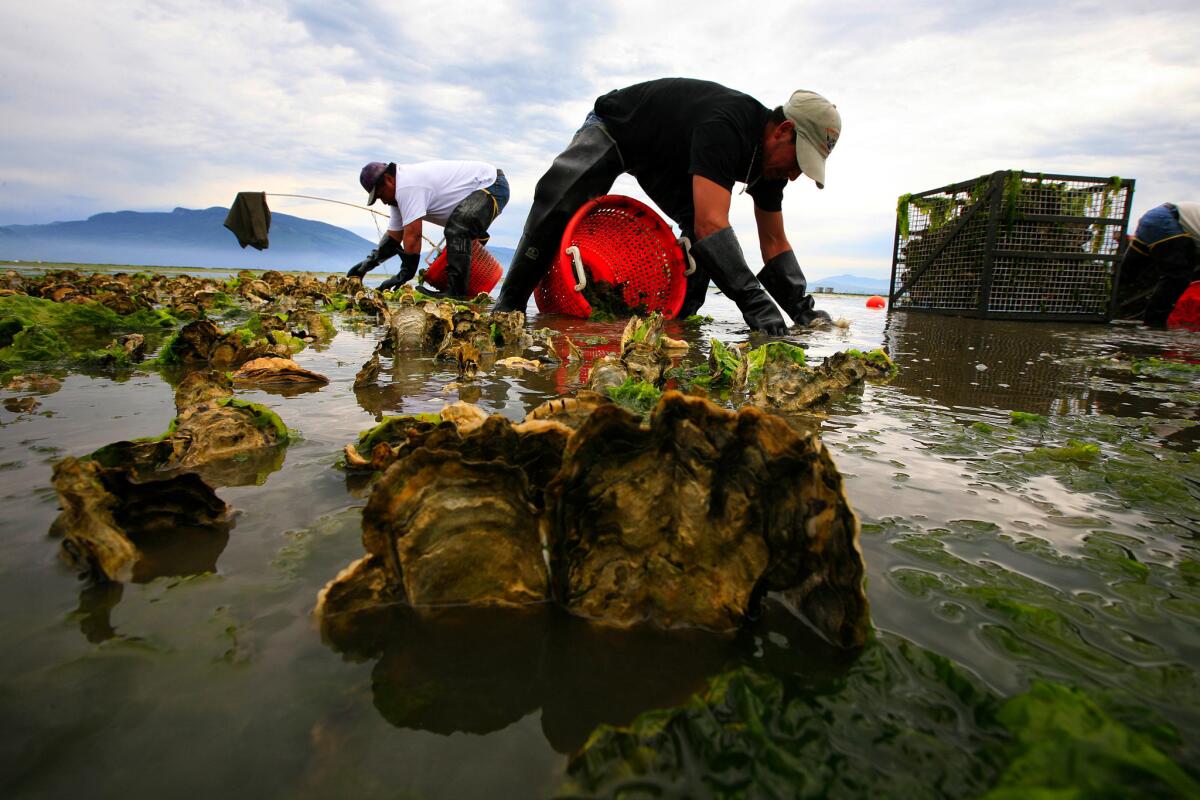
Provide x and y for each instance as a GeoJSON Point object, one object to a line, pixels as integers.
{"type": "Point", "coordinates": [673, 128]}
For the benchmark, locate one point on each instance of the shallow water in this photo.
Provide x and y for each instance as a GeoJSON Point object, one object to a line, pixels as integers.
{"type": "Point", "coordinates": [986, 543]}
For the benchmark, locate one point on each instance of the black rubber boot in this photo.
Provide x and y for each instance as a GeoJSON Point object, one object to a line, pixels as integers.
{"type": "Point", "coordinates": [386, 248]}
{"type": "Point", "coordinates": [586, 169]}
{"type": "Point", "coordinates": [467, 222]}
{"type": "Point", "coordinates": [784, 281]}
{"type": "Point", "coordinates": [529, 263]}
{"type": "Point", "coordinates": [720, 255]}
{"type": "Point", "coordinates": [696, 294]}
{"type": "Point", "coordinates": [408, 270]}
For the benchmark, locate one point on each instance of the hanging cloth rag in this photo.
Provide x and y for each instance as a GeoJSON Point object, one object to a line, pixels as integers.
{"type": "Point", "coordinates": [250, 219]}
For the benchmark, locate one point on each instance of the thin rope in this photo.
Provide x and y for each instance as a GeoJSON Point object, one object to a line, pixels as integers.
{"type": "Point", "coordinates": [326, 200]}
{"type": "Point", "coordinates": [433, 244]}
{"type": "Point", "coordinates": [386, 271]}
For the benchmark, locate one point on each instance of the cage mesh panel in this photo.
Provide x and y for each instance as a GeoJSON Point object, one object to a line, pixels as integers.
{"type": "Point", "coordinates": [1048, 228]}
{"type": "Point", "coordinates": [951, 282]}
{"type": "Point", "coordinates": [1047, 286]}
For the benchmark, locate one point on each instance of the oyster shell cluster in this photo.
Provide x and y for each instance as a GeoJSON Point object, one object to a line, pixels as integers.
{"type": "Point", "coordinates": [681, 520]}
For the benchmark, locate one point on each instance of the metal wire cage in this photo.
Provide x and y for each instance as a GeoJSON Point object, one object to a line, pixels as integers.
{"type": "Point", "coordinates": [622, 242]}
{"type": "Point", "coordinates": [1014, 245]}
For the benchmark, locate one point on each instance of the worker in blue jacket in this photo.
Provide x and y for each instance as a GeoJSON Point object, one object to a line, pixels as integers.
{"type": "Point", "coordinates": [1162, 259]}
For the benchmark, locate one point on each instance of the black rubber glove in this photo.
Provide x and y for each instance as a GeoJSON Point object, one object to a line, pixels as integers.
{"type": "Point", "coordinates": [388, 246]}
{"type": "Point", "coordinates": [784, 281]}
{"type": "Point", "coordinates": [720, 255]}
{"type": "Point", "coordinates": [408, 270]}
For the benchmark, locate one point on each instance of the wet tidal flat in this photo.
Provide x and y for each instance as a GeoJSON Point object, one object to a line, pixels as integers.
{"type": "Point", "coordinates": [1030, 504]}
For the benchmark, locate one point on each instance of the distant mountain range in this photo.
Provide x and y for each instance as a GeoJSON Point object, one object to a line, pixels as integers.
{"type": "Point", "coordinates": [197, 238]}
{"type": "Point", "coordinates": [190, 238]}
{"type": "Point", "coordinates": [852, 284]}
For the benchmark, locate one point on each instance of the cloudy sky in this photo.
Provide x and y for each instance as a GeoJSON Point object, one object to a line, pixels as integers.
{"type": "Point", "coordinates": [149, 106]}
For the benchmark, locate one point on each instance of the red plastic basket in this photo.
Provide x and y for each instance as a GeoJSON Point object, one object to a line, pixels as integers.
{"type": "Point", "coordinates": [485, 271]}
{"type": "Point", "coordinates": [621, 241]}
{"type": "Point", "coordinates": [1186, 313]}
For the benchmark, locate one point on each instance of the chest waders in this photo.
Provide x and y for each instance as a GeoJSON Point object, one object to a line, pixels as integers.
{"type": "Point", "coordinates": [585, 170]}
{"type": "Point", "coordinates": [468, 221]}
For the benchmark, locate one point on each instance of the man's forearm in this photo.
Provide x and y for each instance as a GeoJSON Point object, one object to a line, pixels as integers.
{"type": "Point", "coordinates": [412, 237]}
{"type": "Point", "coordinates": [711, 203]}
{"type": "Point", "coordinates": [772, 238]}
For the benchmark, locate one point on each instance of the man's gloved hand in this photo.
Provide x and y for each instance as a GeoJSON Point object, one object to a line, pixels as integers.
{"type": "Point", "coordinates": [408, 270]}
{"type": "Point", "coordinates": [720, 255]}
{"type": "Point", "coordinates": [784, 281]}
{"type": "Point", "coordinates": [388, 246]}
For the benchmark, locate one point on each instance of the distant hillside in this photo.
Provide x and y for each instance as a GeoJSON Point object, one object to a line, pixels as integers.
{"type": "Point", "coordinates": [852, 284]}
{"type": "Point", "coordinates": [189, 238]}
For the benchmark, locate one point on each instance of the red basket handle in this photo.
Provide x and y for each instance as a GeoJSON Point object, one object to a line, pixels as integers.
{"type": "Point", "coordinates": [580, 275]}
{"type": "Point", "coordinates": [685, 244]}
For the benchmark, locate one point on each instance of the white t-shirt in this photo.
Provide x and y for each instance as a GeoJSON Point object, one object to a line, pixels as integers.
{"type": "Point", "coordinates": [431, 189]}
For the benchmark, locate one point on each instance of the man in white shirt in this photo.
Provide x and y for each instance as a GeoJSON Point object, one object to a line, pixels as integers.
{"type": "Point", "coordinates": [464, 197]}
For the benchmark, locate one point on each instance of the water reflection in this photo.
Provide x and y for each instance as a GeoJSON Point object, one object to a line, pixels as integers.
{"type": "Point", "coordinates": [481, 670]}
{"type": "Point", "coordinates": [1043, 368]}
{"type": "Point", "coordinates": [164, 551]}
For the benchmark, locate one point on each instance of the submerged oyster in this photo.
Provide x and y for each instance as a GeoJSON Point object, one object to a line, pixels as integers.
{"type": "Point", "coordinates": [456, 519]}
{"type": "Point", "coordinates": [569, 411]}
{"type": "Point", "coordinates": [278, 372]}
{"type": "Point", "coordinates": [785, 383]}
{"type": "Point", "coordinates": [455, 531]}
{"type": "Point", "coordinates": [202, 342]}
{"type": "Point", "coordinates": [117, 528]}
{"type": "Point", "coordinates": [684, 523]}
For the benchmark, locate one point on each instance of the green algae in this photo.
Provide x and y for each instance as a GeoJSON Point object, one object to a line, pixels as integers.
{"type": "Point", "coordinates": [1119, 461]}
{"type": "Point", "coordinates": [1074, 451]}
{"type": "Point", "coordinates": [112, 357]}
{"type": "Point", "coordinates": [637, 395]}
{"type": "Point", "coordinates": [168, 354]}
{"type": "Point", "coordinates": [294, 344]}
{"type": "Point", "coordinates": [392, 430]}
{"type": "Point", "coordinates": [261, 416]}
{"type": "Point", "coordinates": [1044, 632]}
{"type": "Point", "coordinates": [1026, 418]}
{"type": "Point", "coordinates": [877, 358]}
{"type": "Point", "coordinates": [643, 328]}
{"type": "Point", "coordinates": [902, 722]}
{"type": "Point", "coordinates": [36, 343]}
{"type": "Point", "coordinates": [1066, 746]}
{"type": "Point", "coordinates": [1166, 369]}
{"type": "Point", "coordinates": [33, 331]}
{"type": "Point", "coordinates": [757, 358]}
{"type": "Point", "coordinates": [725, 364]}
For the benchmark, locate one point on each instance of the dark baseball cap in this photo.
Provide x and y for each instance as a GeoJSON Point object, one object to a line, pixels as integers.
{"type": "Point", "coordinates": [371, 175]}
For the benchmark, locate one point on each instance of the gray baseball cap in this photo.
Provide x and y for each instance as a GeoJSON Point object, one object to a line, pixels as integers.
{"type": "Point", "coordinates": [818, 126]}
{"type": "Point", "coordinates": [370, 176]}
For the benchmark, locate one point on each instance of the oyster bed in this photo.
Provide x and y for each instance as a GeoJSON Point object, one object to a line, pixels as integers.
{"type": "Point", "coordinates": [1033, 580]}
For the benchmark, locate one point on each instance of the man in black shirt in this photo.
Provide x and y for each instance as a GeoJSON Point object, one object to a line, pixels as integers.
{"type": "Point", "coordinates": [688, 142]}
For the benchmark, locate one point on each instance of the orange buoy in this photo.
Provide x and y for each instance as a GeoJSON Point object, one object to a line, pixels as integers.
{"type": "Point", "coordinates": [875, 301]}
